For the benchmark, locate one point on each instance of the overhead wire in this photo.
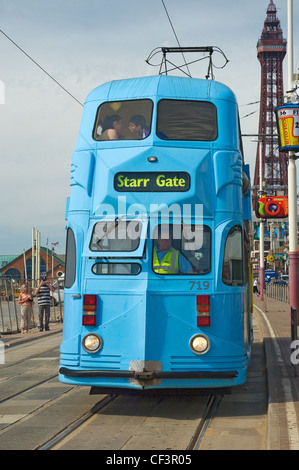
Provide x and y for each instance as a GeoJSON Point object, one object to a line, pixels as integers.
{"type": "Point", "coordinates": [37, 64]}
{"type": "Point", "coordinates": [177, 39]}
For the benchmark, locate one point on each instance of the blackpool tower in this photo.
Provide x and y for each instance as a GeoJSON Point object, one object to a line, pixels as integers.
{"type": "Point", "coordinates": [271, 50]}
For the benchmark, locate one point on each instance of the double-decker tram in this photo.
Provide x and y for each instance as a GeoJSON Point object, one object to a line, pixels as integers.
{"type": "Point", "coordinates": [157, 286]}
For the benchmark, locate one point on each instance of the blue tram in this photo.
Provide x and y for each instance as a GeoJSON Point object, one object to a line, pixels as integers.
{"type": "Point", "coordinates": [157, 287]}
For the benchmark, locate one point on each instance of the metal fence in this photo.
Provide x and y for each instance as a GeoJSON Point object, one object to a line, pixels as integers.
{"type": "Point", "coordinates": [10, 309]}
{"type": "Point", "coordinates": [278, 292]}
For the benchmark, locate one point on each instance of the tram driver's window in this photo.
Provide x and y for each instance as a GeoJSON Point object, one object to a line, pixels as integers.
{"type": "Point", "coordinates": [232, 268]}
{"type": "Point", "coordinates": [181, 249]}
{"type": "Point", "coordinates": [116, 236]}
{"type": "Point", "coordinates": [123, 120]}
{"type": "Point", "coordinates": [187, 120]}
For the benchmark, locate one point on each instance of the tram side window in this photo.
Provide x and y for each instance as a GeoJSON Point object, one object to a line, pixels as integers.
{"type": "Point", "coordinates": [123, 120]}
{"type": "Point", "coordinates": [232, 269]}
{"type": "Point", "coordinates": [116, 236]}
{"type": "Point", "coordinates": [70, 265]}
{"type": "Point", "coordinates": [187, 120]}
{"type": "Point", "coordinates": [181, 249]}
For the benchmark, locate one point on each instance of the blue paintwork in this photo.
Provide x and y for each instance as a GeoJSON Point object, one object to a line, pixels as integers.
{"type": "Point", "coordinates": [149, 317]}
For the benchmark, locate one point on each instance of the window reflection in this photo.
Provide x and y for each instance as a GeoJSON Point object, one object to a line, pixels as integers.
{"type": "Point", "coordinates": [116, 235]}
{"type": "Point", "coordinates": [116, 268]}
{"type": "Point", "coordinates": [123, 120]}
{"type": "Point", "coordinates": [232, 270]}
{"type": "Point", "coordinates": [181, 249]}
{"type": "Point", "coordinates": [187, 120]}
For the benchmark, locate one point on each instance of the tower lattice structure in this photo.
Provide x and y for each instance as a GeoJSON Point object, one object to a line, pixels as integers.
{"type": "Point", "coordinates": [271, 50]}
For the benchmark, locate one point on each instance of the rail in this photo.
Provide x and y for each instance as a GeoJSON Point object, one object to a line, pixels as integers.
{"type": "Point", "coordinates": [10, 309]}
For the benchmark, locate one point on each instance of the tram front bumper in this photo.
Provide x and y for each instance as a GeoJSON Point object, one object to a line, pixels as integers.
{"type": "Point", "coordinates": [148, 375]}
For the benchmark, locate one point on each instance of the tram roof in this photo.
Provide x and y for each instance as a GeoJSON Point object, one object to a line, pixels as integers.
{"type": "Point", "coordinates": [161, 86]}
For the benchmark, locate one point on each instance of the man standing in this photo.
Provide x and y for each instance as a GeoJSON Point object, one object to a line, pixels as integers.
{"type": "Point", "coordinates": [44, 301]}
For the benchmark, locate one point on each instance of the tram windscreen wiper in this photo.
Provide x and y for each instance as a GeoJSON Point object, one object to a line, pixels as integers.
{"type": "Point", "coordinates": [109, 230]}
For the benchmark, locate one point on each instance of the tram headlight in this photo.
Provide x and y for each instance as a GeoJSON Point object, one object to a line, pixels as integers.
{"type": "Point", "coordinates": [92, 343]}
{"type": "Point", "coordinates": [200, 344]}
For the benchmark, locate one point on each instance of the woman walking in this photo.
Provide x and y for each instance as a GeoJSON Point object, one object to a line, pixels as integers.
{"type": "Point", "coordinates": [25, 300]}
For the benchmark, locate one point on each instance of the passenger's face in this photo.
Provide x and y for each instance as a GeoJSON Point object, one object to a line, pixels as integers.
{"type": "Point", "coordinates": [118, 125]}
{"type": "Point", "coordinates": [134, 128]}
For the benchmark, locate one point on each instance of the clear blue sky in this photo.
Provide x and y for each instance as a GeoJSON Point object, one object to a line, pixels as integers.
{"type": "Point", "coordinates": [83, 43]}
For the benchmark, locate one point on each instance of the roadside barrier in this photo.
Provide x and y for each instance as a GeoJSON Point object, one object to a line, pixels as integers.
{"type": "Point", "coordinates": [10, 310]}
{"type": "Point", "coordinates": [278, 292]}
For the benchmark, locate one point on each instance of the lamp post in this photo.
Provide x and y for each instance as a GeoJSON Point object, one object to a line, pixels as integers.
{"type": "Point", "coordinates": [259, 139]}
{"type": "Point", "coordinates": [292, 187]}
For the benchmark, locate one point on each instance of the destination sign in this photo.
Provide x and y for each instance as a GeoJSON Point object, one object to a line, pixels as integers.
{"type": "Point", "coordinates": [144, 181]}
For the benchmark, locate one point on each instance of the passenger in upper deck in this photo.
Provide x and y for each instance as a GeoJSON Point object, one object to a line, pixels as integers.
{"type": "Point", "coordinates": [138, 127]}
{"type": "Point", "coordinates": [112, 128]}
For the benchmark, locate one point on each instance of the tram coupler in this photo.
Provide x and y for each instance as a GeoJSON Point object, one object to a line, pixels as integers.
{"type": "Point", "coordinates": [144, 375]}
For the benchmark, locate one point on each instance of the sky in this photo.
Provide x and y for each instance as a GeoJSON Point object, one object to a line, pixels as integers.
{"type": "Point", "coordinates": [82, 44]}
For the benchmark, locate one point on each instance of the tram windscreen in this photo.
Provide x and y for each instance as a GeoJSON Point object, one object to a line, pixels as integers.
{"type": "Point", "coordinates": [123, 120]}
{"type": "Point", "coordinates": [116, 236]}
{"type": "Point", "coordinates": [187, 120]}
{"type": "Point", "coordinates": [181, 249]}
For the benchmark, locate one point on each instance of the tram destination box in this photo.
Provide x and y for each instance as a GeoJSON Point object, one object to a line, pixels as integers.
{"type": "Point", "coordinates": [142, 181]}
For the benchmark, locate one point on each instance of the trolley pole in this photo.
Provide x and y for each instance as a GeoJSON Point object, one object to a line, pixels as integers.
{"type": "Point", "coordinates": [292, 187]}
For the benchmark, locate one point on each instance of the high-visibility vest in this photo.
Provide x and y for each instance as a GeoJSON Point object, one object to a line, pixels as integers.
{"type": "Point", "coordinates": [169, 264]}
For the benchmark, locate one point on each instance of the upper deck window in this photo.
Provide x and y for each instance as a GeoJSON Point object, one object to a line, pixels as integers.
{"type": "Point", "coordinates": [123, 120]}
{"type": "Point", "coordinates": [187, 120]}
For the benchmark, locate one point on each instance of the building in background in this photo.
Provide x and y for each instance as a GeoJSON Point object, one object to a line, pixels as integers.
{"type": "Point", "coordinates": [19, 267]}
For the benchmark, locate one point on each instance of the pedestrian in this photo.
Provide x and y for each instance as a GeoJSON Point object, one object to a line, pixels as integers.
{"type": "Point", "coordinates": [255, 291]}
{"type": "Point", "coordinates": [44, 302]}
{"type": "Point", "coordinates": [25, 300]}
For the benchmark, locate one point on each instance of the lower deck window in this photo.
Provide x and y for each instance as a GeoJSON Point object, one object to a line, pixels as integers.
{"type": "Point", "coordinates": [232, 270]}
{"type": "Point", "coordinates": [116, 268]}
{"type": "Point", "coordinates": [70, 267]}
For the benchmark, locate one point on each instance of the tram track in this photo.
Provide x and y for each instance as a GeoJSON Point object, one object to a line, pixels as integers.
{"type": "Point", "coordinates": [68, 438]}
{"type": "Point", "coordinates": [63, 435]}
{"type": "Point", "coordinates": [27, 358]}
{"type": "Point", "coordinates": [197, 438]}
{"type": "Point", "coordinates": [27, 373]}
{"type": "Point", "coordinates": [66, 417]}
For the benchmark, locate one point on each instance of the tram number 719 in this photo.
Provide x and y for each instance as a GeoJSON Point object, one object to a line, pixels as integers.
{"type": "Point", "coordinates": [200, 285]}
